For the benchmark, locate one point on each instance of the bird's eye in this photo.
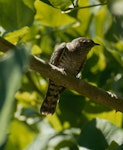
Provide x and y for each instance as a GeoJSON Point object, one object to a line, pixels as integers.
{"type": "Point", "coordinates": [85, 42]}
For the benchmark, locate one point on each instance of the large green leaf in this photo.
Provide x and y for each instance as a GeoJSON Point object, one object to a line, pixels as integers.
{"type": "Point", "coordinates": [15, 14]}
{"type": "Point", "coordinates": [12, 66]}
{"type": "Point", "coordinates": [52, 17]}
{"type": "Point", "coordinates": [98, 134]}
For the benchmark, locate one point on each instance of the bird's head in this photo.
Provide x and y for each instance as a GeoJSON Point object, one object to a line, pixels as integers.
{"type": "Point", "coordinates": [82, 43]}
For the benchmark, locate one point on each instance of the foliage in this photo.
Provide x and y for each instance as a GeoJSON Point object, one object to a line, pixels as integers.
{"type": "Point", "coordinates": [78, 123]}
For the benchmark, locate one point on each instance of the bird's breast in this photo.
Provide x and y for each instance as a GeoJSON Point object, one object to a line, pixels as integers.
{"type": "Point", "coordinates": [71, 62]}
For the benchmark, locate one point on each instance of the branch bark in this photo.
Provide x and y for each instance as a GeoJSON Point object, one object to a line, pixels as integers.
{"type": "Point", "coordinates": [62, 78]}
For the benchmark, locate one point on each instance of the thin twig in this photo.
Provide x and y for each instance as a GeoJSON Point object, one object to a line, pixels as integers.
{"type": "Point", "coordinates": [83, 7]}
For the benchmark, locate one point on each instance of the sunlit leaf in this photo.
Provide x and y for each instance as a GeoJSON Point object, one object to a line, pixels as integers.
{"type": "Point", "coordinates": [16, 35]}
{"type": "Point", "coordinates": [20, 141]}
{"type": "Point", "coordinates": [45, 14]}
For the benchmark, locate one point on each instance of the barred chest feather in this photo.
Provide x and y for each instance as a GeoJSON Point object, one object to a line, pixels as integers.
{"type": "Point", "coordinates": [71, 61]}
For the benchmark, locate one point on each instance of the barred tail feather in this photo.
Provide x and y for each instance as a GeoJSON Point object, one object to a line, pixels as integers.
{"type": "Point", "coordinates": [49, 105]}
{"type": "Point", "coordinates": [52, 97]}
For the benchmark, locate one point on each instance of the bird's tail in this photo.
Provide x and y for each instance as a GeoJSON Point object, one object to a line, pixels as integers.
{"type": "Point", "coordinates": [52, 97]}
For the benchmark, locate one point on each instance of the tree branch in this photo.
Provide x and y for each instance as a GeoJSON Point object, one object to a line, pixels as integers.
{"type": "Point", "coordinates": [68, 81]}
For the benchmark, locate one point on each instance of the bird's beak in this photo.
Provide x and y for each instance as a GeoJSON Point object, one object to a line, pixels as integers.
{"type": "Point", "coordinates": [96, 44]}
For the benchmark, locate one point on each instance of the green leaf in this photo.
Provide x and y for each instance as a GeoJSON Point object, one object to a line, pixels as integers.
{"type": "Point", "coordinates": [71, 106]}
{"type": "Point", "coordinates": [99, 133]}
{"type": "Point", "coordinates": [15, 35]}
{"type": "Point", "coordinates": [12, 66]}
{"type": "Point", "coordinates": [20, 128]}
{"type": "Point", "coordinates": [29, 3]}
{"type": "Point", "coordinates": [113, 146]}
{"type": "Point", "coordinates": [61, 4]}
{"type": "Point", "coordinates": [52, 17]}
{"type": "Point", "coordinates": [15, 14]}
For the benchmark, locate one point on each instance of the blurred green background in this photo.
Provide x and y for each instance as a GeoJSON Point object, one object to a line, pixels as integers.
{"type": "Point", "coordinates": [79, 123]}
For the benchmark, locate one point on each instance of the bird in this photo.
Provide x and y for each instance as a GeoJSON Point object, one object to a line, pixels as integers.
{"type": "Point", "coordinates": [71, 57]}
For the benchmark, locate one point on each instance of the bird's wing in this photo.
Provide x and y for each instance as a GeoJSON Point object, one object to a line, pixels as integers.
{"type": "Point", "coordinates": [82, 66]}
{"type": "Point", "coordinates": [57, 54]}
{"type": "Point", "coordinates": [53, 91]}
